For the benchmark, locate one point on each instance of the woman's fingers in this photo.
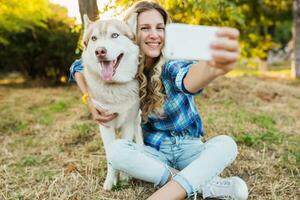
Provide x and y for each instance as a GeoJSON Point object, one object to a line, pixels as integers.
{"type": "Point", "coordinates": [102, 118]}
{"type": "Point", "coordinates": [223, 56]}
{"type": "Point", "coordinates": [225, 44]}
{"type": "Point", "coordinates": [231, 33]}
{"type": "Point", "coordinates": [100, 115]}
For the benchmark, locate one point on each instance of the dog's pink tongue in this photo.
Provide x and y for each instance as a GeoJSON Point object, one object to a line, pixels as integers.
{"type": "Point", "coordinates": [107, 70]}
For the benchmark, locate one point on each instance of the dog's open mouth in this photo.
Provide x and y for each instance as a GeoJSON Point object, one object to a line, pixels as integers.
{"type": "Point", "coordinates": [109, 67]}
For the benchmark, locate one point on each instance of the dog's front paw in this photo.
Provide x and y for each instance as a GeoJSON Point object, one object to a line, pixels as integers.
{"type": "Point", "coordinates": [124, 176]}
{"type": "Point", "coordinates": [109, 183]}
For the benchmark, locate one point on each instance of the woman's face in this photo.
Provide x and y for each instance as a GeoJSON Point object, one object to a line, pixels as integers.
{"type": "Point", "coordinates": [151, 33]}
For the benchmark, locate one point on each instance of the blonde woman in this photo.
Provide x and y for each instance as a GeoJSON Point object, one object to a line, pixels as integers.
{"type": "Point", "coordinates": [174, 158]}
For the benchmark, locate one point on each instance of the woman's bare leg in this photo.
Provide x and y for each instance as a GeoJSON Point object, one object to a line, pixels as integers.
{"type": "Point", "coordinates": [171, 191]}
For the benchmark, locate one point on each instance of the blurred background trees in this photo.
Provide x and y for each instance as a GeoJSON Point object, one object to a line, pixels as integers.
{"type": "Point", "coordinates": [265, 25]}
{"type": "Point", "coordinates": [39, 40]}
{"type": "Point", "coordinates": [296, 39]}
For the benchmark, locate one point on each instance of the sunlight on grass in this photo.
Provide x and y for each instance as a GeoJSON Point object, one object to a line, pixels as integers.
{"type": "Point", "coordinates": [272, 73]}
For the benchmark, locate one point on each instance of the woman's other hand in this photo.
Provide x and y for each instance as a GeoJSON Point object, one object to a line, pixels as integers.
{"type": "Point", "coordinates": [99, 114]}
{"type": "Point", "coordinates": [225, 50]}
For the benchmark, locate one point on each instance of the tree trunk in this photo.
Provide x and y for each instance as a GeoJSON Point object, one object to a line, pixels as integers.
{"type": "Point", "coordinates": [90, 8]}
{"type": "Point", "coordinates": [296, 39]}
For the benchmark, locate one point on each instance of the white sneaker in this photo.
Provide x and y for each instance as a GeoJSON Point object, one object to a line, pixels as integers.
{"type": "Point", "coordinates": [226, 188]}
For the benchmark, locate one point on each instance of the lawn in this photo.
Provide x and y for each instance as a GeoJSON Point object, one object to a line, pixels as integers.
{"type": "Point", "coordinates": [50, 148]}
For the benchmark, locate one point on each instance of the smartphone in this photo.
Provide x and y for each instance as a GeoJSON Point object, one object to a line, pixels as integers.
{"type": "Point", "coordinates": [189, 42]}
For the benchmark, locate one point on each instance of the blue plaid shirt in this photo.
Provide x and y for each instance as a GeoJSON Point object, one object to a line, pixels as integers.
{"type": "Point", "coordinates": [75, 67]}
{"type": "Point", "coordinates": [180, 114]}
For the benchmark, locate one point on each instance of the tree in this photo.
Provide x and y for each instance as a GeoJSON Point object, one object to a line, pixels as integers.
{"type": "Point", "coordinates": [296, 39]}
{"type": "Point", "coordinates": [42, 52]}
{"type": "Point", "coordinates": [264, 24]}
{"type": "Point", "coordinates": [19, 15]}
{"type": "Point", "coordinates": [90, 8]}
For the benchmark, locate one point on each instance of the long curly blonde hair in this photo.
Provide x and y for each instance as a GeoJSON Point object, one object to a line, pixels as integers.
{"type": "Point", "coordinates": [152, 94]}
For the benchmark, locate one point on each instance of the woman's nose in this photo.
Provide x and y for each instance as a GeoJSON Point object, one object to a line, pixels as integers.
{"type": "Point", "coordinates": [153, 33]}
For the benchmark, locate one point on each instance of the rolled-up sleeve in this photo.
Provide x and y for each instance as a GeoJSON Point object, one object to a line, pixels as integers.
{"type": "Point", "coordinates": [75, 67]}
{"type": "Point", "coordinates": [176, 71]}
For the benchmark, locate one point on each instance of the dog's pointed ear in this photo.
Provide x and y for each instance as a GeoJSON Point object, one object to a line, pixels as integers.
{"type": "Point", "coordinates": [86, 21]}
{"type": "Point", "coordinates": [86, 24]}
{"type": "Point", "coordinates": [132, 23]}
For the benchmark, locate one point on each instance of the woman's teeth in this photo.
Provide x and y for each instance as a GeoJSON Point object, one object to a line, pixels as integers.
{"type": "Point", "coordinates": [153, 44]}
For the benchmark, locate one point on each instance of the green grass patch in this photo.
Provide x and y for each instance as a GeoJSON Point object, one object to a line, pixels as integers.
{"type": "Point", "coordinates": [120, 185]}
{"type": "Point", "coordinates": [263, 120]}
{"type": "Point", "coordinates": [46, 119]}
{"type": "Point", "coordinates": [93, 146]}
{"type": "Point", "coordinates": [45, 114]}
{"type": "Point", "coordinates": [211, 118]}
{"type": "Point", "coordinates": [58, 106]}
{"type": "Point", "coordinates": [81, 133]}
{"type": "Point", "coordinates": [291, 153]}
{"type": "Point", "coordinates": [239, 116]}
{"type": "Point", "coordinates": [28, 141]}
{"type": "Point", "coordinates": [30, 161]}
{"type": "Point", "coordinates": [45, 174]}
{"type": "Point", "coordinates": [253, 139]}
{"type": "Point", "coordinates": [34, 160]}
{"type": "Point", "coordinates": [13, 126]}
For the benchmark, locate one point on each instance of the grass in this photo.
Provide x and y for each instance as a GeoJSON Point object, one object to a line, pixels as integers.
{"type": "Point", "coordinates": [51, 149]}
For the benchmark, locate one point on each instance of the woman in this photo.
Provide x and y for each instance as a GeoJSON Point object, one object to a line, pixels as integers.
{"type": "Point", "coordinates": [174, 158]}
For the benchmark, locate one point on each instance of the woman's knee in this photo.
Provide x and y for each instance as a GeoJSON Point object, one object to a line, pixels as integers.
{"type": "Point", "coordinates": [226, 144]}
{"type": "Point", "coordinates": [118, 151]}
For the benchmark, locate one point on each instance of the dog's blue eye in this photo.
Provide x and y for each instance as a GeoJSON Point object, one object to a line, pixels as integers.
{"type": "Point", "coordinates": [114, 35]}
{"type": "Point", "coordinates": [94, 38]}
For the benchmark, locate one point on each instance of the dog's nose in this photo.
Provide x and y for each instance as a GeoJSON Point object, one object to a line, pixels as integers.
{"type": "Point", "coordinates": [101, 52]}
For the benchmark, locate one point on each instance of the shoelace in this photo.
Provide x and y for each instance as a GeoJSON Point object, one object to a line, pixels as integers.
{"type": "Point", "coordinates": [222, 183]}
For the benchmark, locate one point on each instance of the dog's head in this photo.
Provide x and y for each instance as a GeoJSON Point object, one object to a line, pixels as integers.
{"type": "Point", "coordinates": [109, 50]}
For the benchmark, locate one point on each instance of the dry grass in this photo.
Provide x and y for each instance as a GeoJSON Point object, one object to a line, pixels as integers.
{"type": "Point", "coordinates": [50, 149]}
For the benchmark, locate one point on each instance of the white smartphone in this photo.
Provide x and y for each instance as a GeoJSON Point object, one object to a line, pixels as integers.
{"type": "Point", "coordinates": [189, 42]}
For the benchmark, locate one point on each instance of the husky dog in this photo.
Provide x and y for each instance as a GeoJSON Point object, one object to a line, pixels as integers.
{"type": "Point", "coordinates": [110, 60]}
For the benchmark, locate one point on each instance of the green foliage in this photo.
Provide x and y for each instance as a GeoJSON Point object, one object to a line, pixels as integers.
{"type": "Point", "coordinates": [42, 48]}
{"type": "Point", "coordinates": [264, 24]}
{"type": "Point", "coordinates": [19, 15]}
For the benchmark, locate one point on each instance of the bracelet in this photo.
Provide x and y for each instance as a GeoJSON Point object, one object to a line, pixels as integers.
{"type": "Point", "coordinates": [84, 98]}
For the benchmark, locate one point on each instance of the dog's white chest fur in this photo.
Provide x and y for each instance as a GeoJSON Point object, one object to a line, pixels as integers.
{"type": "Point", "coordinates": [116, 98]}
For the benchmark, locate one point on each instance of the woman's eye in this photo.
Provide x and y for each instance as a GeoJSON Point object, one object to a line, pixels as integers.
{"type": "Point", "coordinates": [144, 28]}
{"type": "Point", "coordinates": [94, 38]}
{"type": "Point", "coordinates": [114, 35]}
{"type": "Point", "coordinates": [161, 28]}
